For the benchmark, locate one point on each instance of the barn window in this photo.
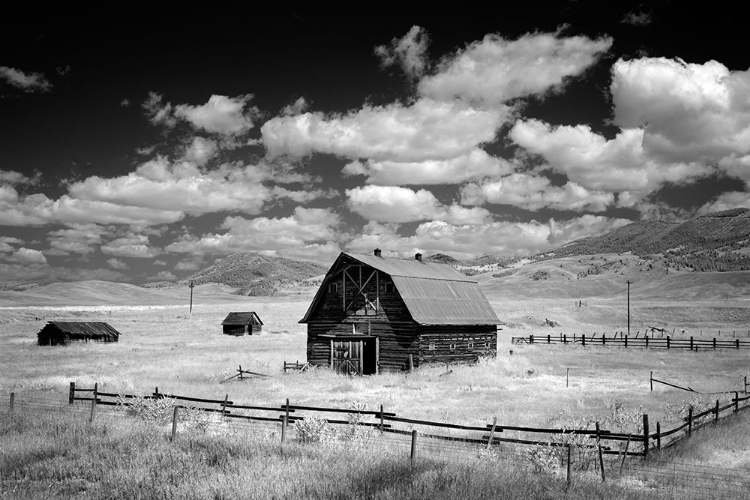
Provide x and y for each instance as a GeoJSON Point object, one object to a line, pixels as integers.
{"type": "Point", "coordinates": [431, 347]}
{"type": "Point", "coordinates": [471, 345]}
{"type": "Point", "coordinates": [333, 288]}
{"type": "Point", "coordinates": [453, 347]}
{"type": "Point", "coordinates": [486, 345]}
{"type": "Point", "coordinates": [389, 288]}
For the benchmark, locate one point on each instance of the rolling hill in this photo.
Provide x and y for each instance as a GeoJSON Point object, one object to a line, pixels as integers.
{"type": "Point", "coordinates": [255, 274]}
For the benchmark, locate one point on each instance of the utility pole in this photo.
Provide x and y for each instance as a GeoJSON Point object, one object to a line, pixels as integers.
{"type": "Point", "coordinates": [628, 282]}
{"type": "Point", "coordinates": [192, 284]}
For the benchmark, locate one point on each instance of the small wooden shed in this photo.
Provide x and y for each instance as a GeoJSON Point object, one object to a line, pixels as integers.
{"type": "Point", "coordinates": [65, 332]}
{"type": "Point", "coordinates": [241, 323]}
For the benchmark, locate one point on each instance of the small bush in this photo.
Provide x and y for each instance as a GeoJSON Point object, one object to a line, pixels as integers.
{"type": "Point", "coordinates": [312, 429]}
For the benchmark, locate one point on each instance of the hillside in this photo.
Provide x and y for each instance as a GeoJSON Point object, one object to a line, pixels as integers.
{"type": "Point", "coordinates": [255, 274]}
{"type": "Point", "coordinates": [714, 242]}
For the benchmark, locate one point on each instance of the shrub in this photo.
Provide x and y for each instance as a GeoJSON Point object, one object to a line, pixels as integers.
{"type": "Point", "coordinates": [312, 429]}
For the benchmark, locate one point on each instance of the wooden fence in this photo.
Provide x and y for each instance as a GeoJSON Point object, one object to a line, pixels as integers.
{"type": "Point", "coordinates": [489, 435]}
{"type": "Point", "coordinates": [646, 342]}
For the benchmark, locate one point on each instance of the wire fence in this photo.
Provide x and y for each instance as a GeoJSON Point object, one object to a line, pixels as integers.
{"type": "Point", "coordinates": [583, 463]}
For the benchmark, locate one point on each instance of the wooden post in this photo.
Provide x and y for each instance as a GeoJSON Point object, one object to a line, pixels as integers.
{"type": "Point", "coordinates": [565, 339]}
{"type": "Point", "coordinates": [156, 393]}
{"type": "Point", "coordinates": [531, 339]}
{"type": "Point", "coordinates": [492, 433]}
{"type": "Point", "coordinates": [332, 348]}
{"type": "Point", "coordinates": [625, 455]}
{"type": "Point", "coordinates": [377, 352]}
{"type": "Point", "coordinates": [583, 339]}
{"type": "Point", "coordinates": [381, 418]}
{"type": "Point", "coordinates": [658, 436]}
{"type": "Point", "coordinates": [93, 404]}
{"type": "Point", "coordinates": [736, 401]}
{"type": "Point", "coordinates": [71, 397]}
{"type": "Point", "coordinates": [240, 370]}
{"type": "Point", "coordinates": [224, 406]}
{"type": "Point", "coordinates": [599, 446]}
{"type": "Point", "coordinates": [12, 401]}
{"type": "Point", "coordinates": [174, 422]}
{"type": "Point", "coordinates": [567, 377]}
{"type": "Point", "coordinates": [413, 445]}
{"type": "Point", "coordinates": [568, 478]}
{"type": "Point", "coordinates": [626, 340]}
{"type": "Point", "coordinates": [411, 363]}
{"type": "Point", "coordinates": [645, 435]}
{"type": "Point", "coordinates": [737, 342]}
{"type": "Point", "coordinates": [691, 342]}
{"type": "Point", "coordinates": [651, 380]}
{"type": "Point", "coordinates": [667, 341]}
{"type": "Point", "coordinates": [549, 338]}
{"type": "Point", "coordinates": [283, 428]}
{"type": "Point", "coordinates": [690, 421]}
{"type": "Point", "coordinates": [716, 412]}
{"type": "Point", "coordinates": [714, 342]}
{"type": "Point", "coordinates": [604, 339]}
{"type": "Point", "coordinates": [646, 337]}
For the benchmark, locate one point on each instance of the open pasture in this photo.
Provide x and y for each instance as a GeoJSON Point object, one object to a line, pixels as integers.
{"type": "Point", "coordinates": [163, 346]}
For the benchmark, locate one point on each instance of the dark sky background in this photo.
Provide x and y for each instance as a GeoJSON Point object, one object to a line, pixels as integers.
{"type": "Point", "coordinates": [142, 146]}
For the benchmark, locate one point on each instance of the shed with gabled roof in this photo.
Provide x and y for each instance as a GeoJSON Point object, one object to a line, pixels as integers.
{"type": "Point", "coordinates": [65, 332]}
{"type": "Point", "coordinates": [241, 323]}
{"type": "Point", "coordinates": [373, 313]}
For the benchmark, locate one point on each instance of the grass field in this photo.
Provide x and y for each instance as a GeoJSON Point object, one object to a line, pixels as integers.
{"type": "Point", "coordinates": [164, 346]}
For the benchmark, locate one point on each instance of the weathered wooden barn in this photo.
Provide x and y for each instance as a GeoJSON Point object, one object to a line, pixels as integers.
{"type": "Point", "coordinates": [241, 323]}
{"type": "Point", "coordinates": [65, 332]}
{"type": "Point", "coordinates": [373, 313]}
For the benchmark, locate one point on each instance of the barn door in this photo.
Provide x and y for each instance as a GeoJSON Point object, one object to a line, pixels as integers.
{"type": "Point", "coordinates": [346, 356]}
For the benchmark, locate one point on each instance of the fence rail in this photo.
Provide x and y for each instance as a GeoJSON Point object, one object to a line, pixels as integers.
{"type": "Point", "coordinates": [646, 342]}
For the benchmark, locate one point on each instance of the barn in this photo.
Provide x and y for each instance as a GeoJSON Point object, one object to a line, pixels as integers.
{"type": "Point", "coordinates": [376, 314]}
{"type": "Point", "coordinates": [241, 323]}
{"type": "Point", "coordinates": [65, 332]}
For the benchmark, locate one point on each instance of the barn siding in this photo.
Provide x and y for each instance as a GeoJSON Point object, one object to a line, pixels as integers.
{"type": "Point", "coordinates": [441, 337]}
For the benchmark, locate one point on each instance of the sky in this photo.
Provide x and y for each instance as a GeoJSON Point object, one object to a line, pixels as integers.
{"type": "Point", "coordinates": [141, 147]}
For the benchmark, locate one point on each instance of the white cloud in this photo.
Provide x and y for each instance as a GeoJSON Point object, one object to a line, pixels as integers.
{"type": "Point", "coordinates": [468, 241]}
{"type": "Point", "coordinates": [223, 115]}
{"type": "Point", "coordinates": [637, 18]}
{"type": "Point", "coordinates": [29, 82]}
{"type": "Point", "coordinates": [474, 165]}
{"type": "Point", "coordinates": [28, 256]}
{"type": "Point", "coordinates": [410, 52]}
{"type": "Point", "coordinates": [297, 107]}
{"type": "Point", "coordinates": [276, 236]}
{"type": "Point", "coordinates": [187, 265]}
{"type": "Point", "coordinates": [12, 177]}
{"type": "Point", "coordinates": [132, 245]}
{"type": "Point", "coordinates": [535, 192]}
{"type": "Point", "coordinates": [117, 264]}
{"type": "Point", "coordinates": [494, 70]}
{"type": "Point", "coordinates": [689, 112]}
{"type": "Point", "coordinates": [79, 238]}
{"type": "Point", "coordinates": [163, 276]}
{"type": "Point", "coordinates": [726, 201]}
{"type": "Point", "coordinates": [425, 130]}
{"type": "Point", "coordinates": [6, 243]}
{"type": "Point", "coordinates": [199, 151]}
{"type": "Point", "coordinates": [598, 164]}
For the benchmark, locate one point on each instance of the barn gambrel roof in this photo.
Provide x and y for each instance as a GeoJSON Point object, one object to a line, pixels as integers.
{"type": "Point", "coordinates": [434, 294]}
{"type": "Point", "coordinates": [242, 318]}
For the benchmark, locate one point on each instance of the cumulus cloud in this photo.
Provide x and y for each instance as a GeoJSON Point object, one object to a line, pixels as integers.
{"type": "Point", "coordinates": [28, 82]}
{"type": "Point", "coordinates": [494, 70]}
{"type": "Point", "coordinates": [28, 256]}
{"type": "Point", "coordinates": [117, 264]}
{"type": "Point", "coordinates": [688, 112]}
{"type": "Point", "coordinates": [474, 165]}
{"type": "Point", "coordinates": [726, 201]}
{"type": "Point", "coordinates": [409, 52]}
{"type": "Point", "coordinates": [425, 130]}
{"type": "Point", "coordinates": [297, 107]}
{"type": "Point", "coordinates": [534, 192]}
{"type": "Point", "coordinates": [14, 178]}
{"type": "Point", "coordinates": [396, 204]}
{"type": "Point", "coordinates": [592, 161]}
{"type": "Point", "coordinates": [187, 265]}
{"type": "Point", "coordinates": [223, 115]}
{"type": "Point", "coordinates": [199, 151]}
{"type": "Point", "coordinates": [469, 241]}
{"type": "Point", "coordinates": [132, 245]}
{"type": "Point", "coordinates": [162, 276]}
{"type": "Point", "coordinates": [303, 232]}
{"type": "Point", "coordinates": [79, 238]}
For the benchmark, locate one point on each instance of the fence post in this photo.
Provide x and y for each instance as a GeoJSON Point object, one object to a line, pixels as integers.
{"type": "Point", "coordinates": [381, 418]}
{"type": "Point", "coordinates": [240, 370]}
{"type": "Point", "coordinates": [646, 337]}
{"type": "Point", "coordinates": [714, 342]}
{"type": "Point", "coordinates": [549, 338]}
{"type": "Point", "coordinates": [736, 402]}
{"type": "Point", "coordinates": [531, 339]}
{"type": "Point", "coordinates": [667, 341]}
{"type": "Point", "coordinates": [645, 435]}
{"type": "Point", "coordinates": [224, 406]}
{"type": "Point", "coordinates": [174, 422]}
{"type": "Point", "coordinates": [283, 427]}
{"type": "Point", "coordinates": [651, 380]}
{"type": "Point", "coordinates": [583, 339]}
{"type": "Point", "coordinates": [569, 467]}
{"type": "Point", "coordinates": [716, 412]}
{"type": "Point", "coordinates": [567, 377]}
{"type": "Point", "coordinates": [626, 340]}
{"type": "Point", "coordinates": [565, 339]}
{"type": "Point", "coordinates": [690, 421]}
{"type": "Point", "coordinates": [658, 436]}
{"type": "Point", "coordinates": [413, 445]}
{"type": "Point", "coordinates": [604, 339]}
{"type": "Point", "coordinates": [599, 446]}
{"type": "Point", "coordinates": [625, 455]}
{"type": "Point", "coordinates": [71, 397]}
{"type": "Point", "coordinates": [12, 401]}
{"type": "Point", "coordinates": [737, 343]}
{"type": "Point", "coordinates": [492, 433]}
{"type": "Point", "coordinates": [691, 342]}
{"type": "Point", "coordinates": [93, 404]}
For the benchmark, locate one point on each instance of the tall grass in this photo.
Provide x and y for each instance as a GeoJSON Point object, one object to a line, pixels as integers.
{"type": "Point", "coordinates": [63, 457]}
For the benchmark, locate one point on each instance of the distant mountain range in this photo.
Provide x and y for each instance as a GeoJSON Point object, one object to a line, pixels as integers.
{"type": "Point", "coordinates": [255, 274]}
{"type": "Point", "coordinates": [714, 242]}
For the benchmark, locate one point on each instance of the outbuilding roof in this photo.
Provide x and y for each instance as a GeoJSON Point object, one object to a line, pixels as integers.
{"type": "Point", "coordinates": [434, 293]}
{"type": "Point", "coordinates": [93, 329]}
{"type": "Point", "coordinates": [242, 318]}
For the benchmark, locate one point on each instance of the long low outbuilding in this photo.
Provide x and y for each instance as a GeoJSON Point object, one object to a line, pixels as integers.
{"type": "Point", "coordinates": [65, 332]}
